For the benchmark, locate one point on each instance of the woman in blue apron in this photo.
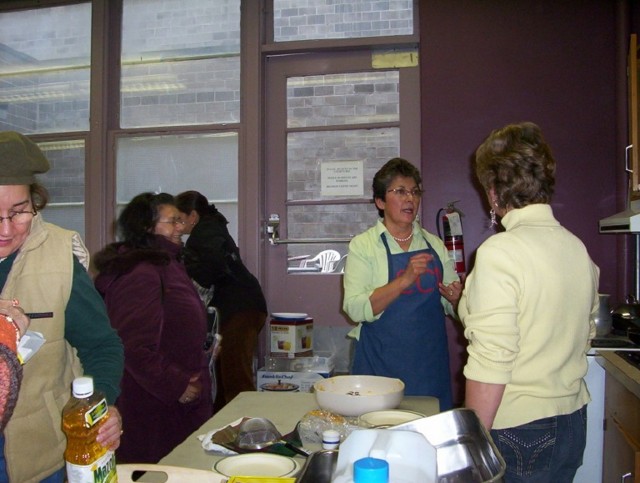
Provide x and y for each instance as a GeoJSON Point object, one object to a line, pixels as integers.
{"type": "Point", "coordinates": [399, 281]}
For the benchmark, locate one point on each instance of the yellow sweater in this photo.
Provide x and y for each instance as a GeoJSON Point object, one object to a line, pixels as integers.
{"type": "Point", "coordinates": [526, 309]}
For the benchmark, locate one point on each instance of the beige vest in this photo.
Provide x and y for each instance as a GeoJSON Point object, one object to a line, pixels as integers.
{"type": "Point", "coordinates": [41, 279]}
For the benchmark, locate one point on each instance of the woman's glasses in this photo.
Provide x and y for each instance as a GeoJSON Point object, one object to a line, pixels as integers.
{"type": "Point", "coordinates": [19, 217]}
{"type": "Point", "coordinates": [404, 192]}
{"type": "Point", "coordinates": [174, 222]}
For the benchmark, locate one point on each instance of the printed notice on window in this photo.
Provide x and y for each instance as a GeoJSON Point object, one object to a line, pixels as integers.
{"type": "Point", "coordinates": [342, 178]}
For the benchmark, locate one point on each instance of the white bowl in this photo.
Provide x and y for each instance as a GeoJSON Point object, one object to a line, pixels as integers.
{"type": "Point", "coordinates": [356, 395]}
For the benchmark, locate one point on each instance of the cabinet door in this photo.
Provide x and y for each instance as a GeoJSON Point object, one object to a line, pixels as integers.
{"type": "Point", "coordinates": [621, 454]}
{"type": "Point", "coordinates": [633, 155]}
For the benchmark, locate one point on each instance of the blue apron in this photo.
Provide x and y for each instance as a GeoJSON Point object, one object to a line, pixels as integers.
{"type": "Point", "coordinates": [409, 340]}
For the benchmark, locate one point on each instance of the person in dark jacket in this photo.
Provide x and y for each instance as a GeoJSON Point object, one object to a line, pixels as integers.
{"type": "Point", "coordinates": [152, 303]}
{"type": "Point", "coordinates": [213, 261]}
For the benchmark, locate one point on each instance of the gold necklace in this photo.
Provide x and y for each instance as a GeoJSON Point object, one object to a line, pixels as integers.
{"type": "Point", "coordinates": [403, 239]}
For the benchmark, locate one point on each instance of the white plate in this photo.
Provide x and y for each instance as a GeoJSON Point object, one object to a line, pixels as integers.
{"type": "Point", "coordinates": [257, 464]}
{"type": "Point", "coordinates": [389, 417]}
{"type": "Point", "coordinates": [289, 315]}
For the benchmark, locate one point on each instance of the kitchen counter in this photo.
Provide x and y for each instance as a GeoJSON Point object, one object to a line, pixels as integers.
{"type": "Point", "coordinates": [285, 409]}
{"type": "Point", "coordinates": [621, 370]}
{"type": "Point", "coordinates": [621, 452]}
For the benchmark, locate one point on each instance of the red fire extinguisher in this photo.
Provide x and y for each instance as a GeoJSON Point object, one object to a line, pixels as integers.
{"type": "Point", "coordinates": [451, 220]}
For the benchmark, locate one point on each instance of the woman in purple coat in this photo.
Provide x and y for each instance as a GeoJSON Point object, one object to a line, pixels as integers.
{"type": "Point", "coordinates": [152, 303]}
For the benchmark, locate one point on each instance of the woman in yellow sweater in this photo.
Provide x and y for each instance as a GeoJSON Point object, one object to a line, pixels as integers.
{"type": "Point", "coordinates": [526, 309]}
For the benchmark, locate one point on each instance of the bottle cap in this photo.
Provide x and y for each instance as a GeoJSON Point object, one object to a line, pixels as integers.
{"type": "Point", "coordinates": [330, 439]}
{"type": "Point", "coordinates": [82, 387]}
{"type": "Point", "coordinates": [371, 470]}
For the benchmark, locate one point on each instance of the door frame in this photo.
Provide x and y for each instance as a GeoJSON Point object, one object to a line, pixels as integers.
{"type": "Point", "coordinates": [278, 69]}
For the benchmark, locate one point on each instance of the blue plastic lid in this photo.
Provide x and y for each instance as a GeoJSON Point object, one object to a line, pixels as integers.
{"type": "Point", "coordinates": [370, 470]}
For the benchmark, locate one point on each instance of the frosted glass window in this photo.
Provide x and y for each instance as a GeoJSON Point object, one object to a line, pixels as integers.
{"type": "Point", "coordinates": [306, 151]}
{"type": "Point", "coordinates": [180, 62]}
{"type": "Point", "coordinates": [65, 182]}
{"type": "Point", "coordinates": [312, 216]}
{"type": "Point", "coordinates": [354, 98]}
{"type": "Point", "coordinates": [172, 164]}
{"type": "Point", "coordinates": [340, 19]}
{"type": "Point", "coordinates": [44, 69]}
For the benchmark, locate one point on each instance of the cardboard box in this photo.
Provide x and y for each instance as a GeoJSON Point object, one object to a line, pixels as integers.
{"type": "Point", "coordinates": [267, 381]}
{"type": "Point", "coordinates": [291, 338]}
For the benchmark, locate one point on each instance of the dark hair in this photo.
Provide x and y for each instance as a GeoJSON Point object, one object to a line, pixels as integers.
{"type": "Point", "coordinates": [391, 170]}
{"type": "Point", "coordinates": [139, 217]}
{"type": "Point", "coordinates": [39, 196]}
{"type": "Point", "coordinates": [191, 200]}
{"type": "Point", "coordinates": [517, 163]}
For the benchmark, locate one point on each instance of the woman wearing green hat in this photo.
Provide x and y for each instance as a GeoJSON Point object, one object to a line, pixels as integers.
{"type": "Point", "coordinates": [43, 269]}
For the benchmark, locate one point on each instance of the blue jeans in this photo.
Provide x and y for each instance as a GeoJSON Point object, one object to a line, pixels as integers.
{"type": "Point", "coordinates": [57, 477]}
{"type": "Point", "coordinates": [547, 450]}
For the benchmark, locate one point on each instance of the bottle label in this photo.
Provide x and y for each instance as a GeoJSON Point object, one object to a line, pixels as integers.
{"type": "Point", "coordinates": [103, 470]}
{"type": "Point", "coordinates": [96, 413]}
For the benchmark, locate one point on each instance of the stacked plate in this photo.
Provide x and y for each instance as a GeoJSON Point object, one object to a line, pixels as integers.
{"type": "Point", "coordinates": [387, 418]}
{"type": "Point", "coordinates": [257, 464]}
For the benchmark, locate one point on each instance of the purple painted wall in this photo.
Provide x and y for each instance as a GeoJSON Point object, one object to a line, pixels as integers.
{"type": "Point", "coordinates": [485, 64]}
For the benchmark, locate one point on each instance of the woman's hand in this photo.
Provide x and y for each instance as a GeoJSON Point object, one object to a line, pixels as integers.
{"type": "Point", "coordinates": [194, 388]}
{"type": "Point", "coordinates": [417, 266]}
{"type": "Point", "coordinates": [451, 292]}
{"type": "Point", "coordinates": [12, 309]}
{"type": "Point", "coordinates": [383, 296]}
{"type": "Point", "coordinates": [110, 432]}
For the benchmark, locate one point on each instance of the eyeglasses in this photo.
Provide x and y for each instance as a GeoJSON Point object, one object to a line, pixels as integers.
{"type": "Point", "coordinates": [404, 192]}
{"type": "Point", "coordinates": [174, 222]}
{"type": "Point", "coordinates": [19, 217]}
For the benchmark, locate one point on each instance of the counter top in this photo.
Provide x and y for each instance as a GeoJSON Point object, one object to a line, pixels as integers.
{"type": "Point", "coordinates": [285, 409]}
{"type": "Point", "coordinates": [621, 370]}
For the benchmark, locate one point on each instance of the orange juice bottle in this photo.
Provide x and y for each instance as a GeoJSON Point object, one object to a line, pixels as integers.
{"type": "Point", "coordinates": [87, 460]}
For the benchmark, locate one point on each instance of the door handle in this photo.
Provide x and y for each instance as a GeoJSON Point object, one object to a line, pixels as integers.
{"type": "Point", "coordinates": [284, 241]}
{"type": "Point", "coordinates": [273, 228]}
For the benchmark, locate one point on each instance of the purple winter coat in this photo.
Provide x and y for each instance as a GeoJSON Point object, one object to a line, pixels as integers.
{"type": "Point", "coordinates": [153, 305]}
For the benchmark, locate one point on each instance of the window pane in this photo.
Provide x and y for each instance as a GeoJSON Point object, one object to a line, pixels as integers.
{"type": "Point", "coordinates": [180, 62]}
{"type": "Point", "coordinates": [330, 221]}
{"type": "Point", "coordinates": [207, 163]}
{"type": "Point", "coordinates": [44, 69]}
{"type": "Point", "coordinates": [65, 183]}
{"type": "Point", "coordinates": [340, 19]}
{"type": "Point", "coordinates": [306, 151]}
{"type": "Point", "coordinates": [335, 221]}
{"type": "Point", "coordinates": [362, 97]}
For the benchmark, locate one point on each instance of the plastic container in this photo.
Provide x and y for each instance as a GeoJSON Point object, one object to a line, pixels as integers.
{"type": "Point", "coordinates": [330, 439]}
{"type": "Point", "coordinates": [87, 461]}
{"type": "Point", "coordinates": [410, 456]}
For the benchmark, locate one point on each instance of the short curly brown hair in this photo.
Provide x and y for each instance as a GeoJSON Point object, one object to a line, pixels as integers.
{"type": "Point", "coordinates": [517, 163]}
{"type": "Point", "coordinates": [391, 170]}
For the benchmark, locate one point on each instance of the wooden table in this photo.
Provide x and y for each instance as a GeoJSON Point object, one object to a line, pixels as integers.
{"type": "Point", "coordinates": [285, 409]}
